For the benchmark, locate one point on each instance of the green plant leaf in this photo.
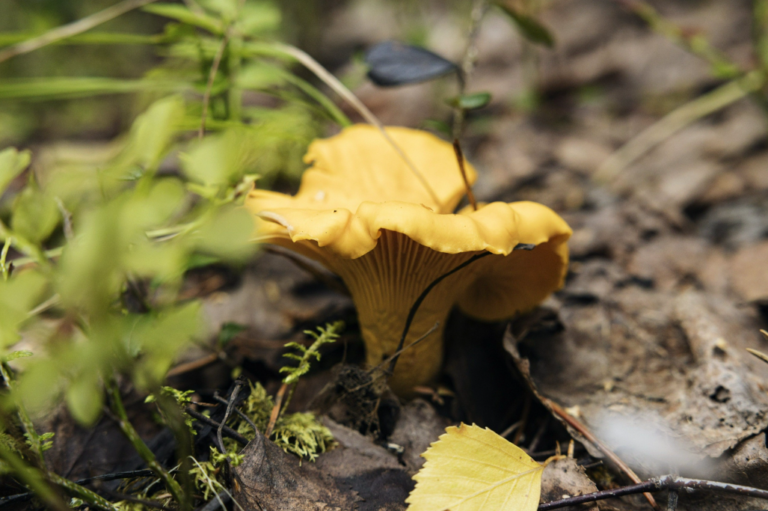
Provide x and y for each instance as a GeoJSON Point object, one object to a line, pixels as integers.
{"type": "Point", "coordinates": [85, 398]}
{"type": "Point", "coordinates": [228, 235]}
{"type": "Point", "coordinates": [153, 131]}
{"type": "Point", "coordinates": [12, 163]}
{"type": "Point", "coordinates": [225, 8]}
{"type": "Point", "coordinates": [35, 214]}
{"type": "Point", "coordinates": [181, 13]}
{"type": "Point", "coordinates": [14, 355]}
{"type": "Point", "coordinates": [470, 101]}
{"type": "Point", "coordinates": [222, 159]}
{"type": "Point", "coordinates": [258, 18]}
{"type": "Point", "coordinates": [18, 296]}
{"type": "Point", "coordinates": [529, 27]}
{"type": "Point", "coordinates": [66, 87]}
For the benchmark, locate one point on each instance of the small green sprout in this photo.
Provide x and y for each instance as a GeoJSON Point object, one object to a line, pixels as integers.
{"type": "Point", "coordinates": [326, 335]}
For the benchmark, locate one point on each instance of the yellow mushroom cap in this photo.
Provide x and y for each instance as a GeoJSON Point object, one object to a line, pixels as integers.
{"type": "Point", "coordinates": [362, 212]}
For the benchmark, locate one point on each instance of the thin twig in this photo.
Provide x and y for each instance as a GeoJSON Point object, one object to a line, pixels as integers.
{"type": "Point", "coordinates": [510, 429]}
{"type": "Point", "coordinates": [523, 419]}
{"type": "Point", "coordinates": [467, 186]}
{"type": "Point", "coordinates": [389, 359]}
{"type": "Point", "coordinates": [238, 412]}
{"type": "Point", "coordinates": [226, 430]}
{"type": "Point", "coordinates": [227, 413]}
{"type": "Point", "coordinates": [194, 364]}
{"type": "Point", "coordinates": [219, 501]}
{"type": "Point", "coordinates": [535, 441]}
{"type": "Point", "coordinates": [422, 296]}
{"type": "Point", "coordinates": [276, 409]}
{"type": "Point", "coordinates": [338, 87]}
{"type": "Point", "coordinates": [74, 28]}
{"type": "Point", "coordinates": [398, 352]}
{"type": "Point", "coordinates": [667, 482]}
{"type": "Point", "coordinates": [50, 302]}
{"type": "Point", "coordinates": [586, 433]}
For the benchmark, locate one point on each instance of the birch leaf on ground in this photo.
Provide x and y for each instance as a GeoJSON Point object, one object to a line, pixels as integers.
{"type": "Point", "coordinates": [474, 469]}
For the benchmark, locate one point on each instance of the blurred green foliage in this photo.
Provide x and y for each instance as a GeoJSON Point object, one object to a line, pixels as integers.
{"type": "Point", "coordinates": [95, 240]}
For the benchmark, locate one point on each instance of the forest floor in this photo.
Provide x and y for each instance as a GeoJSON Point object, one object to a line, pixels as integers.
{"type": "Point", "coordinates": [667, 286]}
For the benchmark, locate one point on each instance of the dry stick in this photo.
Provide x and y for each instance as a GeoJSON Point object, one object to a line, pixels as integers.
{"type": "Point", "coordinates": [238, 412]}
{"type": "Point", "coordinates": [74, 28]}
{"type": "Point", "coordinates": [422, 296]}
{"type": "Point", "coordinates": [510, 429]}
{"type": "Point", "coordinates": [227, 413]}
{"type": "Point", "coordinates": [524, 419]}
{"type": "Point", "coordinates": [537, 437]}
{"type": "Point", "coordinates": [276, 409]}
{"type": "Point", "coordinates": [467, 186]}
{"type": "Point", "coordinates": [194, 364]}
{"type": "Point", "coordinates": [586, 433]}
{"type": "Point", "coordinates": [358, 105]}
{"type": "Point", "coordinates": [676, 121]}
{"type": "Point", "coordinates": [231, 433]}
{"type": "Point", "coordinates": [667, 482]}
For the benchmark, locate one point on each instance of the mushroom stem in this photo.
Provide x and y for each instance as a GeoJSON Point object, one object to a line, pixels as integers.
{"type": "Point", "coordinates": [467, 186]}
{"type": "Point", "coordinates": [417, 303]}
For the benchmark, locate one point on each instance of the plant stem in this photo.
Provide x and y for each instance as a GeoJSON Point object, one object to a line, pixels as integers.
{"type": "Point", "coordinates": [467, 186]}
{"type": "Point", "coordinates": [75, 490]}
{"type": "Point", "coordinates": [176, 421]}
{"type": "Point", "coordinates": [6, 270]}
{"type": "Point", "coordinates": [33, 478]}
{"type": "Point", "coordinates": [211, 77]}
{"type": "Point", "coordinates": [29, 249]}
{"type": "Point", "coordinates": [74, 28]}
{"type": "Point", "coordinates": [693, 42]}
{"type": "Point", "coordinates": [141, 448]}
{"type": "Point", "coordinates": [33, 439]}
{"type": "Point", "coordinates": [676, 120]}
{"type": "Point", "coordinates": [479, 8]}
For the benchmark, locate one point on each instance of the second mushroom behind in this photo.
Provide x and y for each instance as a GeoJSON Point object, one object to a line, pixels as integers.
{"type": "Point", "coordinates": [363, 213]}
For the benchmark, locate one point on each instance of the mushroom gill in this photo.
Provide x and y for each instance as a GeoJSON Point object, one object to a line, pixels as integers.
{"type": "Point", "coordinates": [362, 213]}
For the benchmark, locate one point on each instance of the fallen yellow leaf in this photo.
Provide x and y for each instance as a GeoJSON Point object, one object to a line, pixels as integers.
{"type": "Point", "coordinates": [474, 469]}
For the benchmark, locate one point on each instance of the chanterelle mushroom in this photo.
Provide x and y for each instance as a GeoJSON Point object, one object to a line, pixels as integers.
{"type": "Point", "coordinates": [362, 213]}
